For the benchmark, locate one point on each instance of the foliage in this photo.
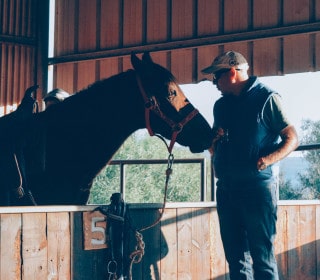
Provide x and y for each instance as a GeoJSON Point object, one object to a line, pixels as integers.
{"type": "Point", "coordinates": [286, 191]}
{"type": "Point", "coordinates": [311, 178]}
{"type": "Point", "coordinates": [145, 183]}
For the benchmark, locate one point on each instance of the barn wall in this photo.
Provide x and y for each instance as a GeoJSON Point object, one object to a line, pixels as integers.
{"type": "Point", "coordinates": [48, 243]}
{"type": "Point", "coordinates": [93, 40]}
{"type": "Point", "coordinates": [21, 49]}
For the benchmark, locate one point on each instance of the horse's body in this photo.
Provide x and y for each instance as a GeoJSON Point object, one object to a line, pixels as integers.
{"type": "Point", "coordinates": [66, 146]}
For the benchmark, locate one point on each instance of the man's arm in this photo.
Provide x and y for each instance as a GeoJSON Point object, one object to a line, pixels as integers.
{"type": "Point", "coordinates": [288, 144]}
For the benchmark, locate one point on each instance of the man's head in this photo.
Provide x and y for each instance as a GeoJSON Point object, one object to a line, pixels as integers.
{"type": "Point", "coordinates": [229, 71]}
{"type": "Point", "coordinates": [55, 96]}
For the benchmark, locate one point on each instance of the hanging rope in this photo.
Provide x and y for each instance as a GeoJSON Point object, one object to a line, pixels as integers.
{"type": "Point", "coordinates": [137, 255]}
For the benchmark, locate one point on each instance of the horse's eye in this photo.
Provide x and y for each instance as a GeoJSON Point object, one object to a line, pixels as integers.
{"type": "Point", "coordinates": [173, 93]}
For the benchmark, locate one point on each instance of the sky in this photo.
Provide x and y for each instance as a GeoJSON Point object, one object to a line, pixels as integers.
{"type": "Point", "coordinates": [300, 94]}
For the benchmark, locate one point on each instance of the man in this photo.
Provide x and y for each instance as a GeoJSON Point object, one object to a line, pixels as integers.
{"type": "Point", "coordinates": [251, 134]}
{"type": "Point", "coordinates": [55, 96]}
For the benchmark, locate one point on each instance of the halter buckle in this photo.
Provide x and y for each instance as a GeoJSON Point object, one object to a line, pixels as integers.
{"type": "Point", "coordinates": [177, 127]}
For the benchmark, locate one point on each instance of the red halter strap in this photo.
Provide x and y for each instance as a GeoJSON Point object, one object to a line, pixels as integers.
{"type": "Point", "coordinates": [151, 104]}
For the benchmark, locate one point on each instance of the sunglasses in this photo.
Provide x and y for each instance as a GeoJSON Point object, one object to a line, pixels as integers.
{"type": "Point", "coordinates": [218, 74]}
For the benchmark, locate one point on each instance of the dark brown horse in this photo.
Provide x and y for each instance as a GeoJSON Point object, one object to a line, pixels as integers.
{"type": "Point", "coordinates": [63, 148]}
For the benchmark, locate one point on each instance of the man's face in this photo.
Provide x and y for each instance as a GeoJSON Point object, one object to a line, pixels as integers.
{"type": "Point", "coordinates": [222, 80]}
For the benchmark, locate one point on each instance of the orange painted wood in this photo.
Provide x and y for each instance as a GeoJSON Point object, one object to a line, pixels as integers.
{"type": "Point", "coordinates": [184, 242]}
{"type": "Point", "coordinates": [267, 57]}
{"type": "Point", "coordinates": [168, 264]}
{"type": "Point", "coordinates": [297, 54]}
{"type": "Point", "coordinates": [185, 245]}
{"type": "Point", "coordinates": [110, 27]}
{"type": "Point", "coordinates": [10, 243]}
{"type": "Point", "coordinates": [157, 21]}
{"type": "Point", "coordinates": [59, 246]}
{"type": "Point", "coordinates": [35, 246]}
{"type": "Point", "coordinates": [266, 13]}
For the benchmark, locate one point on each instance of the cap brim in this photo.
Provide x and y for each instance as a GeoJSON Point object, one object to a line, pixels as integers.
{"type": "Point", "coordinates": [214, 68]}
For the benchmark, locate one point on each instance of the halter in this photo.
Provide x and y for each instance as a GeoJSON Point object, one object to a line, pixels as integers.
{"type": "Point", "coordinates": [151, 104]}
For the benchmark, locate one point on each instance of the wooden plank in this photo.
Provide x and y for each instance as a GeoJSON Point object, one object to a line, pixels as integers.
{"type": "Point", "coordinates": [218, 264]}
{"type": "Point", "coordinates": [182, 17]}
{"type": "Point", "coordinates": [86, 74]}
{"type": "Point", "coordinates": [157, 20]}
{"type": "Point", "coordinates": [10, 243]}
{"type": "Point", "coordinates": [64, 77]}
{"type": "Point", "coordinates": [236, 16]}
{"type": "Point", "coordinates": [266, 57]}
{"type": "Point", "coordinates": [297, 54]}
{"type": "Point", "coordinates": [281, 242]}
{"type": "Point", "coordinates": [181, 65]}
{"type": "Point", "coordinates": [108, 67]}
{"type": "Point", "coordinates": [294, 250]}
{"type": "Point", "coordinates": [208, 17]}
{"type": "Point", "coordinates": [307, 242]}
{"type": "Point", "coordinates": [87, 31]}
{"type": "Point", "coordinates": [65, 27]}
{"type": "Point", "coordinates": [132, 22]}
{"type": "Point", "coordinates": [59, 246]}
{"type": "Point", "coordinates": [17, 65]}
{"type": "Point", "coordinates": [169, 243]}
{"type": "Point", "coordinates": [34, 247]}
{"type": "Point", "coordinates": [184, 233]}
{"type": "Point", "coordinates": [266, 13]}
{"type": "Point", "coordinates": [296, 11]}
{"type": "Point", "coordinates": [110, 24]}
{"type": "Point", "coordinates": [200, 259]}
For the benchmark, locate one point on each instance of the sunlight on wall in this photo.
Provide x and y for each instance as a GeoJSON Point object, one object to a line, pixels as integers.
{"type": "Point", "coordinates": [7, 109]}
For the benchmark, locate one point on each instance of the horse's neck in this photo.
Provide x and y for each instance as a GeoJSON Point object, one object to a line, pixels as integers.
{"type": "Point", "coordinates": [102, 116]}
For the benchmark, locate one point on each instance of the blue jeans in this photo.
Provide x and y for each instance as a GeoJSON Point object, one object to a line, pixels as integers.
{"type": "Point", "coordinates": [247, 216]}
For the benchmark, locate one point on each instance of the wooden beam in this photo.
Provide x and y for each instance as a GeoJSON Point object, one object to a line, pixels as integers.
{"type": "Point", "coordinates": [192, 43]}
{"type": "Point", "coordinates": [24, 41]}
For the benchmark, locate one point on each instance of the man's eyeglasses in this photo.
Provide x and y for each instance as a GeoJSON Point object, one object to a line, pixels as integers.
{"type": "Point", "coordinates": [218, 74]}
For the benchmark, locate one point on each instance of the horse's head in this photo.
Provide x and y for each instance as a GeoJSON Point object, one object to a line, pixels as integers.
{"type": "Point", "coordinates": [168, 111]}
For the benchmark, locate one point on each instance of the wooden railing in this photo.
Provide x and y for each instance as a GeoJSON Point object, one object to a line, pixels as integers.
{"type": "Point", "coordinates": [48, 243]}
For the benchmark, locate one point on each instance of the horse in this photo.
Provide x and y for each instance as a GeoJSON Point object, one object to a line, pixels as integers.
{"type": "Point", "coordinates": [54, 155]}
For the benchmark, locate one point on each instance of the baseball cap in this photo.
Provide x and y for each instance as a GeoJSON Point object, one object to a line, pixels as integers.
{"type": "Point", "coordinates": [227, 60]}
{"type": "Point", "coordinates": [58, 94]}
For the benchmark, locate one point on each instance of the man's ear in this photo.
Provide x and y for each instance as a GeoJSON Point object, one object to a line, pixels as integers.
{"type": "Point", "coordinates": [233, 75]}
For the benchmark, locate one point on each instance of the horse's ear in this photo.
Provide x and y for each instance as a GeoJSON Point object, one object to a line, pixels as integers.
{"type": "Point", "coordinates": [135, 61]}
{"type": "Point", "coordinates": [147, 57]}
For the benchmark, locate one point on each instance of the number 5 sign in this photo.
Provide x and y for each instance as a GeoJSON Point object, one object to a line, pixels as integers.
{"type": "Point", "coordinates": [94, 230]}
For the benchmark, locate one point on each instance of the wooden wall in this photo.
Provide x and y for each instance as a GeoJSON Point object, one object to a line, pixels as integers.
{"type": "Point", "coordinates": [48, 243]}
{"type": "Point", "coordinates": [93, 40]}
{"type": "Point", "coordinates": [22, 50]}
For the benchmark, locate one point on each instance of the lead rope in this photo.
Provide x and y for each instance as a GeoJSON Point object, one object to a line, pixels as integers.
{"type": "Point", "coordinates": [20, 192]}
{"type": "Point", "coordinates": [137, 255]}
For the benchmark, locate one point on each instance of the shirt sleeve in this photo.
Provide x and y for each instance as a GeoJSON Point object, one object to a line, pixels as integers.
{"type": "Point", "coordinates": [274, 115]}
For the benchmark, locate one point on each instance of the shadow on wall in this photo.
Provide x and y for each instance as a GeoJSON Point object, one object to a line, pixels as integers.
{"type": "Point", "coordinates": [187, 245]}
{"type": "Point", "coordinates": [295, 264]}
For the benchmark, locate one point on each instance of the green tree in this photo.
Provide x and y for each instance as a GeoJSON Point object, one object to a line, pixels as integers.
{"type": "Point", "coordinates": [145, 183]}
{"type": "Point", "coordinates": [311, 178]}
{"type": "Point", "coordinates": [286, 191]}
